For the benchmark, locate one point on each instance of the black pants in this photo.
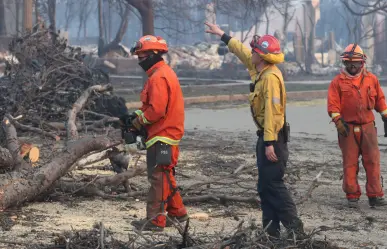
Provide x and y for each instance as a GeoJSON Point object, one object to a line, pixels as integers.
{"type": "Point", "coordinates": [276, 202]}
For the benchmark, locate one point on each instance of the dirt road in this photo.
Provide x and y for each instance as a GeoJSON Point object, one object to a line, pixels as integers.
{"type": "Point", "coordinates": [217, 141]}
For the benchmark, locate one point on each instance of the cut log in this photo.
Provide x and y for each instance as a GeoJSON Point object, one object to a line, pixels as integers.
{"type": "Point", "coordinates": [33, 155]}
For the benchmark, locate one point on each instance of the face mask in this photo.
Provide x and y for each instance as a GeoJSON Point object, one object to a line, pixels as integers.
{"type": "Point", "coordinates": [353, 67]}
{"type": "Point", "coordinates": [150, 61]}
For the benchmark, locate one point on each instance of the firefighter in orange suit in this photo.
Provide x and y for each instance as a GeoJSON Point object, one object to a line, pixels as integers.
{"type": "Point", "coordinates": [162, 115]}
{"type": "Point", "coordinates": [352, 97]}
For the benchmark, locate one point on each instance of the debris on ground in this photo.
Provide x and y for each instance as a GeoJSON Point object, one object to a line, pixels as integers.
{"type": "Point", "coordinates": [245, 237]}
{"type": "Point", "coordinates": [48, 78]}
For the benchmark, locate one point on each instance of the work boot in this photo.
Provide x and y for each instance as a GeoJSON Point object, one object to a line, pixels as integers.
{"type": "Point", "coordinates": [353, 203]}
{"type": "Point", "coordinates": [376, 202]}
{"type": "Point", "coordinates": [297, 229]}
{"type": "Point", "coordinates": [180, 219]}
{"type": "Point", "coordinates": [150, 226]}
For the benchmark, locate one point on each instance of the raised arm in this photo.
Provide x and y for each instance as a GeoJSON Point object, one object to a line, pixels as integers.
{"type": "Point", "coordinates": [240, 50]}
{"type": "Point", "coordinates": [235, 46]}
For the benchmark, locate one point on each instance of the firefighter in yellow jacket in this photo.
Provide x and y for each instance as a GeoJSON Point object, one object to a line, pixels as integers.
{"type": "Point", "coordinates": [268, 102]}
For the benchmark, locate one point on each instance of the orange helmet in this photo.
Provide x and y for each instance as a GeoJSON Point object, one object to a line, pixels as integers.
{"type": "Point", "coordinates": [353, 52]}
{"type": "Point", "coordinates": [150, 42]}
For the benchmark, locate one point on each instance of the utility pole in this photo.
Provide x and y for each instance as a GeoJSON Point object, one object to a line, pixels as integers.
{"type": "Point", "coordinates": [27, 15]}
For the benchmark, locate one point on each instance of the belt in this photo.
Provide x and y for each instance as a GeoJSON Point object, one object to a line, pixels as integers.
{"type": "Point", "coordinates": [261, 132]}
{"type": "Point", "coordinates": [359, 124]}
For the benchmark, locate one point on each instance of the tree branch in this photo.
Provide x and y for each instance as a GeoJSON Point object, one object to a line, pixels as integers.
{"type": "Point", "coordinates": [13, 144]}
{"type": "Point", "coordinates": [373, 8]}
{"type": "Point", "coordinates": [32, 129]}
{"type": "Point", "coordinates": [72, 132]}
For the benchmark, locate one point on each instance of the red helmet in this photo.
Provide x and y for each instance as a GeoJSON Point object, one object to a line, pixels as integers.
{"type": "Point", "coordinates": [266, 44]}
{"type": "Point", "coordinates": [150, 42]}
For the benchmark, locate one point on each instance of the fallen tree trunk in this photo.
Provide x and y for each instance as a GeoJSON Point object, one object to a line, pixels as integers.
{"type": "Point", "coordinates": [19, 187]}
{"type": "Point", "coordinates": [6, 159]}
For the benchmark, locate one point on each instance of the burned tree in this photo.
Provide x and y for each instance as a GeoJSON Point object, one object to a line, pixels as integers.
{"type": "Point", "coordinates": [287, 10]}
{"type": "Point", "coordinates": [103, 46]}
{"type": "Point", "coordinates": [145, 8]}
{"type": "Point", "coordinates": [3, 29]}
{"type": "Point", "coordinates": [85, 8]}
{"type": "Point", "coordinates": [363, 8]}
{"type": "Point", "coordinates": [249, 15]}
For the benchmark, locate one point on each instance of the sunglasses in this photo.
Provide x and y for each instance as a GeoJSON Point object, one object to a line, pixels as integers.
{"type": "Point", "coordinates": [137, 45]}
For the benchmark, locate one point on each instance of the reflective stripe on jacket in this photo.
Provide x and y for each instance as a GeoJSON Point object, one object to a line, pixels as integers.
{"type": "Point", "coordinates": [162, 110]}
{"type": "Point", "coordinates": [355, 97]}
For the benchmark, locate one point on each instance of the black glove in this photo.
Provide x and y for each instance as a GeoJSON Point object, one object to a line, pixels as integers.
{"type": "Point", "coordinates": [341, 126]}
{"type": "Point", "coordinates": [126, 123]}
{"type": "Point", "coordinates": [126, 120]}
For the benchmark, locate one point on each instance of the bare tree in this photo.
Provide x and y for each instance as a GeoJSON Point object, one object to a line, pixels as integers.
{"type": "Point", "coordinates": [85, 8]}
{"type": "Point", "coordinates": [145, 8]}
{"type": "Point", "coordinates": [3, 29]}
{"type": "Point", "coordinates": [361, 19]}
{"type": "Point", "coordinates": [51, 7]}
{"type": "Point", "coordinates": [309, 34]}
{"type": "Point", "coordinates": [353, 24]}
{"type": "Point", "coordinates": [287, 9]}
{"type": "Point", "coordinates": [45, 11]}
{"type": "Point", "coordinates": [124, 11]}
{"type": "Point", "coordinates": [366, 7]}
{"type": "Point", "coordinates": [180, 17]}
{"type": "Point", "coordinates": [70, 13]}
{"type": "Point", "coordinates": [248, 12]}
{"type": "Point", "coordinates": [28, 4]}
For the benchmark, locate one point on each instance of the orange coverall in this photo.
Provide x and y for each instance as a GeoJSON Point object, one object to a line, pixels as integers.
{"type": "Point", "coordinates": [162, 114]}
{"type": "Point", "coordinates": [354, 98]}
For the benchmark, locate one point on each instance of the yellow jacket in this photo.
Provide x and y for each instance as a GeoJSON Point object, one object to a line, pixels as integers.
{"type": "Point", "coordinates": [268, 100]}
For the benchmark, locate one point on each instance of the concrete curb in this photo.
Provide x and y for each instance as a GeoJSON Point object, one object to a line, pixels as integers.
{"type": "Point", "coordinates": [299, 96]}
